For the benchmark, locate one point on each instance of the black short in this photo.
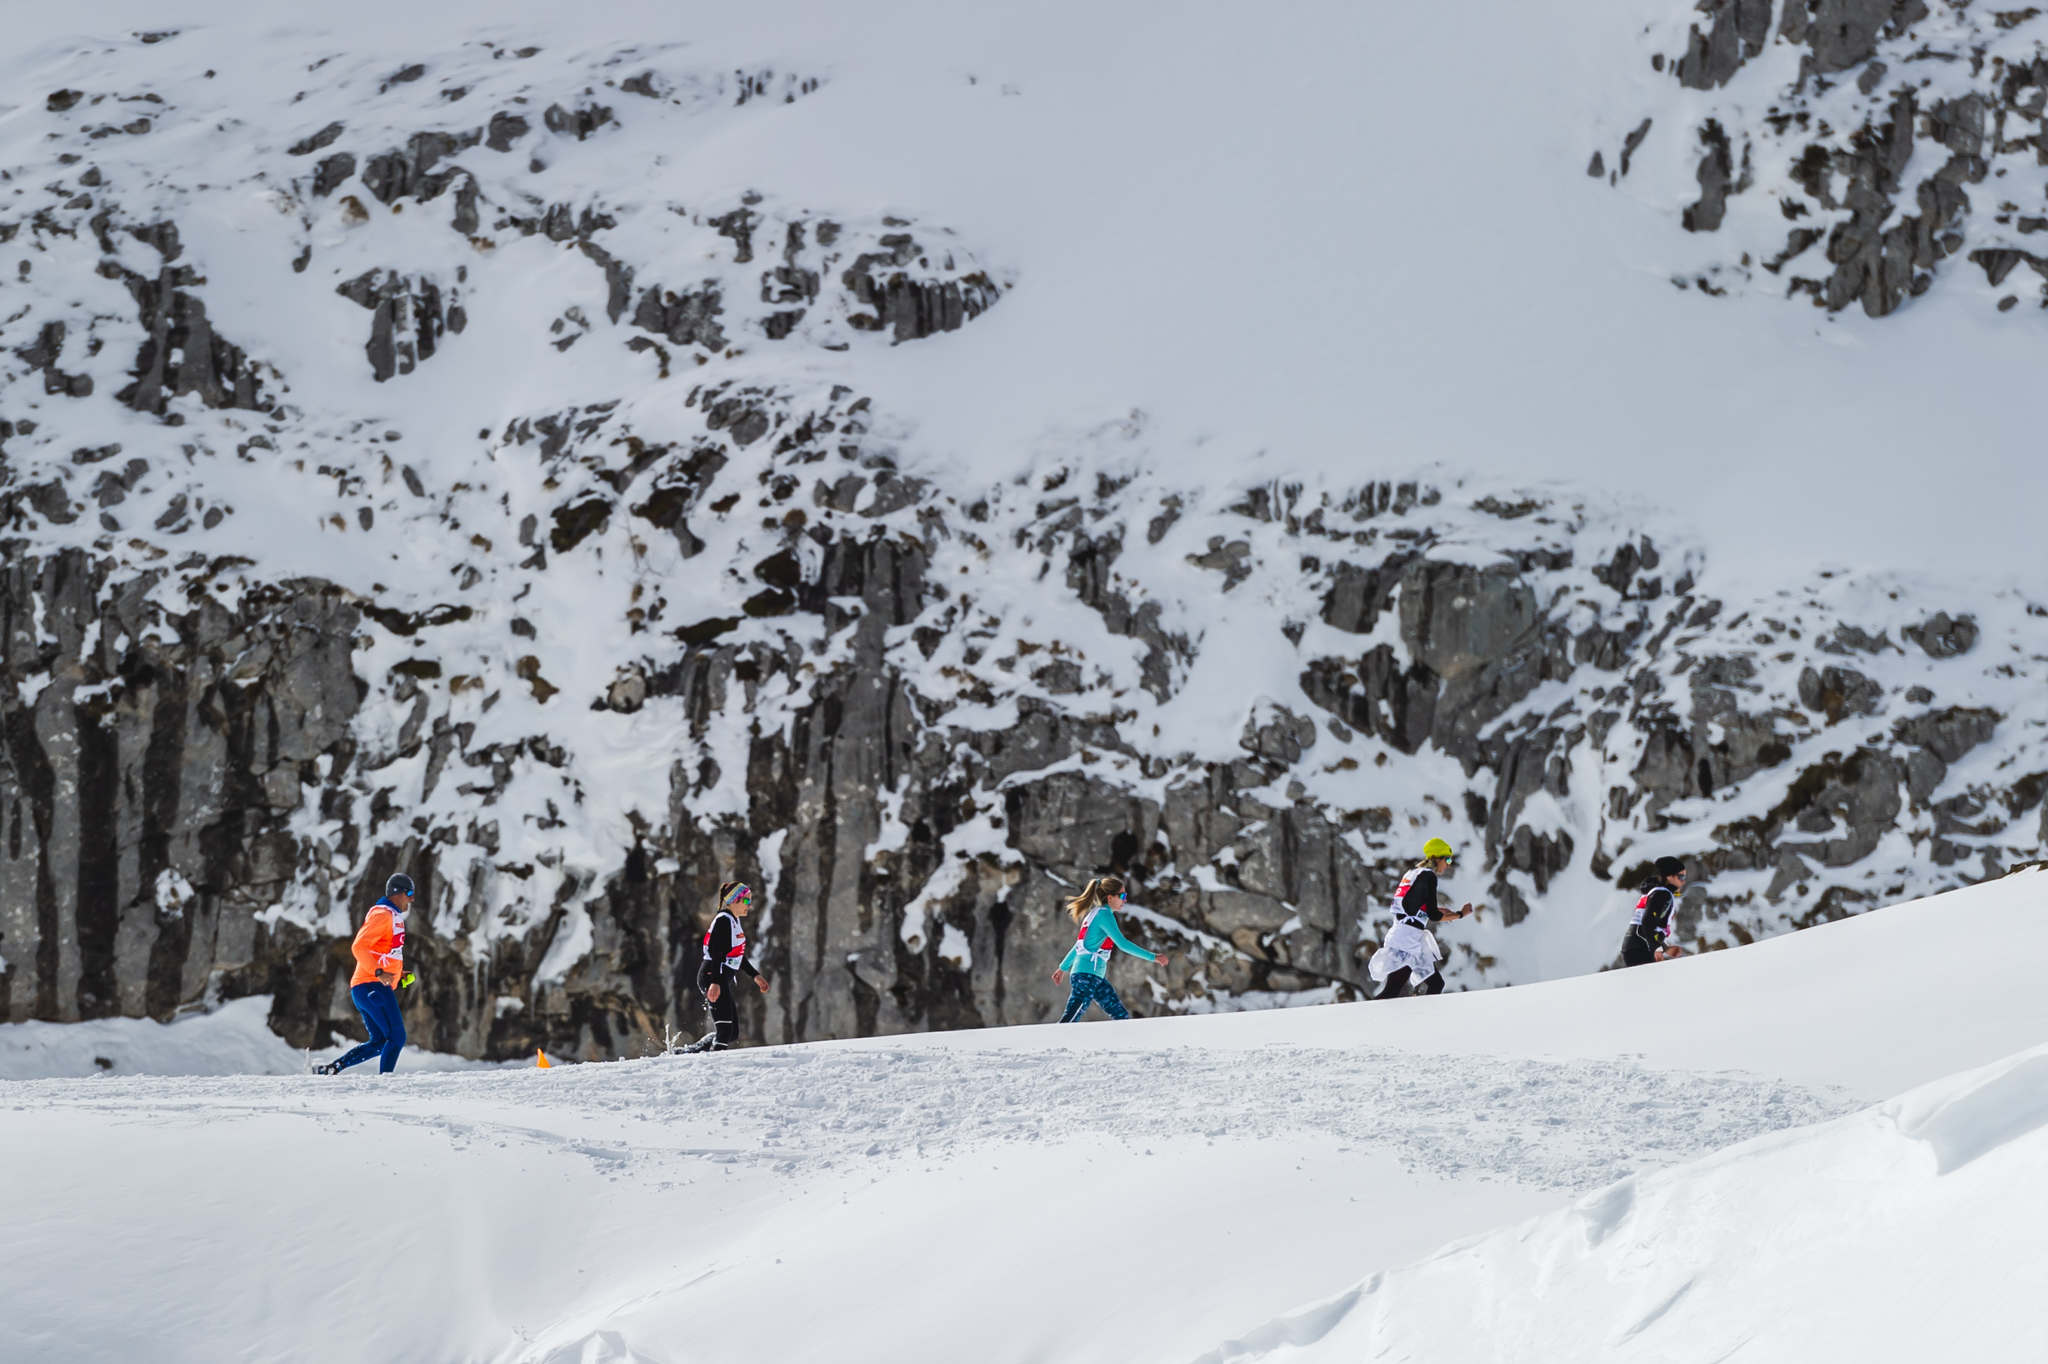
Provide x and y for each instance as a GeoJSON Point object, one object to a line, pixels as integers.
{"type": "Point", "coordinates": [1636, 952]}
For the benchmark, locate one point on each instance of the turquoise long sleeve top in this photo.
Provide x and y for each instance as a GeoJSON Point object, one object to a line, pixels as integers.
{"type": "Point", "coordinates": [1089, 956]}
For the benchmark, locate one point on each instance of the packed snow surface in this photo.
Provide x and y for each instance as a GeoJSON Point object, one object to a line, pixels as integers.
{"type": "Point", "coordinates": [233, 1039]}
{"type": "Point", "coordinates": [1610, 1157]}
{"type": "Point", "coordinates": [1791, 1246]}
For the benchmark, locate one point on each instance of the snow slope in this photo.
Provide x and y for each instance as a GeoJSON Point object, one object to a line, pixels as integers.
{"type": "Point", "coordinates": [1149, 1191]}
{"type": "Point", "coordinates": [1404, 292]}
{"type": "Point", "coordinates": [1905, 1231]}
{"type": "Point", "coordinates": [233, 1039]}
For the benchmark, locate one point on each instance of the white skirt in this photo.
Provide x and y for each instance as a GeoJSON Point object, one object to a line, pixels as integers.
{"type": "Point", "coordinates": [1409, 946]}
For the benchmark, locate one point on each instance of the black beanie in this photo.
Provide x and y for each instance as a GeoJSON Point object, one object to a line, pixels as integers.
{"type": "Point", "coordinates": [1669, 866]}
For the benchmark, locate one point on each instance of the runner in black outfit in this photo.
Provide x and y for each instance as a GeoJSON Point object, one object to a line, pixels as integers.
{"type": "Point", "coordinates": [1649, 929]}
{"type": "Point", "coordinates": [725, 958]}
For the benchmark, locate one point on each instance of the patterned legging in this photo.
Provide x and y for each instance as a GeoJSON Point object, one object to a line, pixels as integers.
{"type": "Point", "coordinates": [1090, 989]}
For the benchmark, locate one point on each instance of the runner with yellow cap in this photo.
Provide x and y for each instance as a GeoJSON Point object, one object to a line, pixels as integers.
{"type": "Point", "coordinates": [1410, 952]}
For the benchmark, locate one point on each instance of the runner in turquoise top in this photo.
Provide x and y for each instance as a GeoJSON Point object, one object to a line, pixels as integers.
{"type": "Point", "coordinates": [1094, 910]}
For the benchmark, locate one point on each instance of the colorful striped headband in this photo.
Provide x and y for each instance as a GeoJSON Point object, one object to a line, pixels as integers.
{"type": "Point", "coordinates": [738, 892]}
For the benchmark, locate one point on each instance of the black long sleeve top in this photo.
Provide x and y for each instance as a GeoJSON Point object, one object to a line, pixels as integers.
{"type": "Point", "coordinates": [1652, 919]}
{"type": "Point", "coordinates": [720, 958]}
{"type": "Point", "coordinates": [1418, 903]}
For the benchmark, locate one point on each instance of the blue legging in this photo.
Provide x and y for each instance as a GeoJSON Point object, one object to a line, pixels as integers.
{"type": "Point", "coordinates": [1091, 989]}
{"type": "Point", "coordinates": [378, 1005]}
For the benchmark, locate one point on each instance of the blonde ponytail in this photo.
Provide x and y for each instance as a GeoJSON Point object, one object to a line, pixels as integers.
{"type": "Point", "coordinates": [1094, 895]}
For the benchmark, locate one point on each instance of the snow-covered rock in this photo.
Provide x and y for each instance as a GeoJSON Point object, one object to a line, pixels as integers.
{"type": "Point", "coordinates": [1846, 149]}
{"type": "Point", "coordinates": [406, 465]}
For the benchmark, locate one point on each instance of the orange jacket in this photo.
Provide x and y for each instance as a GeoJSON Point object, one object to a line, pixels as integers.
{"type": "Point", "coordinates": [380, 946]}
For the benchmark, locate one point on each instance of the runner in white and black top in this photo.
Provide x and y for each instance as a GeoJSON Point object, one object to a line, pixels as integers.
{"type": "Point", "coordinates": [1649, 928]}
{"type": "Point", "coordinates": [725, 959]}
{"type": "Point", "coordinates": [1411, 950]}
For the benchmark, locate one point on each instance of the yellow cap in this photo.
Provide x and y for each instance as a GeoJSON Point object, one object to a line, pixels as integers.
{"type": "Point", "coordinates": [1436, 847]}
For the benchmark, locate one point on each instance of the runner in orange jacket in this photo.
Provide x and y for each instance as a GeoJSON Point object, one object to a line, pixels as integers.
{"type": "Point", "coordinates": [380, 970]}
{"type": "Point", "coordinates": [380, 943]}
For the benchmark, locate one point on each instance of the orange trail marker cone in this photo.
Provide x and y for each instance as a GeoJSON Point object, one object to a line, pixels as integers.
{"type": "Point", "coordinates": [545, 1064]}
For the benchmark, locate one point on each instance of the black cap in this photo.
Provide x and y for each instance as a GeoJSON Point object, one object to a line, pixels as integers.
{"type": "Point", "coordinates": [1669, 866]}
{"type": "Point", "coordinates": [399, 884]}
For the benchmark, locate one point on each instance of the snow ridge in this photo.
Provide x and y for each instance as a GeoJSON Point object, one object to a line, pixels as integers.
{"type": "Point", "coordinates": [1664, 1265]}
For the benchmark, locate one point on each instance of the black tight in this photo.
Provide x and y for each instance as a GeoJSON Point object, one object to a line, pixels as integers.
{"type": "Point", "coordinates": [725, 1010]}
{"type": "Point", "coordinates": [1397, 984]}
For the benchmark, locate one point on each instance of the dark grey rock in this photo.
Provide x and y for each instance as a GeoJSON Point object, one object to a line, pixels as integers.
{"type": "Point", "coordinates": [1943, 635]}
{"type": "Point", "coordinates": [1949, 733]}
{"type": "Point", "coordinates": [1838, 693]}
{"type": "Point", "coordinates": [1736, 31]}
{"type": "Point", "coordinates": [686, 319]}
{"type": "Point", "coordinates": [505, 130]}
{"type": "Point", "coordinates": [332, 172]}
{"type": "Point", "coordinates": [1631, 142]}
{"type": "Point", "coordinates": [324, 138]}
{"type": "Point", "coordinates": [579, 123]}
{"type": "Point", "coordinates": [179, 772]}
{"type": "Point", "coordinates": [1716, 176]}
{"type": "Point", "coordinates": [1843, 33]}
{"type": "Point", "coordinates": [408, 319]}
{"type": "Point", "coordinates": [910, 306]}
{"type": "Point", "coordinates": [43, 353]}
{"type": "Point", "coordinates": [181, 353]}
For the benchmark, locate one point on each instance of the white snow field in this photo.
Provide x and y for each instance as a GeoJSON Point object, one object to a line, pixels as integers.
{"type": "Point", "coordinates": [233, 1039]}
{"type": "Point", "coordinates": [1906, 1231]}
{"type": "Point", "coordinates": [1626, 1165]}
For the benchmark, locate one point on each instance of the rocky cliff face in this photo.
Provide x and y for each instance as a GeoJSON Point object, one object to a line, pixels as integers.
{"type": "Point", "coordinates": [150, 754]}
{"type": "Point", "coordinates": [284, 612]}
{"type": "Point", "coordinates": [1895, 139]}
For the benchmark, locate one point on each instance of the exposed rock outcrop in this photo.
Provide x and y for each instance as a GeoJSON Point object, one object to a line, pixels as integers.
{"type": "Point", "coordinates": [154, 761]}
{"type": "Point", "coordinates": [1891, 147]}
{"type": "Point", "coordinates": [672, 607]}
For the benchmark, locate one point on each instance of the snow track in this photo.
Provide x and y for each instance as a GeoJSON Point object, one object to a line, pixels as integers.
{"type": "Point", "coordinates": [1551, 1125]}
{"type": "Point", "coordinates": [1582, 1169]}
